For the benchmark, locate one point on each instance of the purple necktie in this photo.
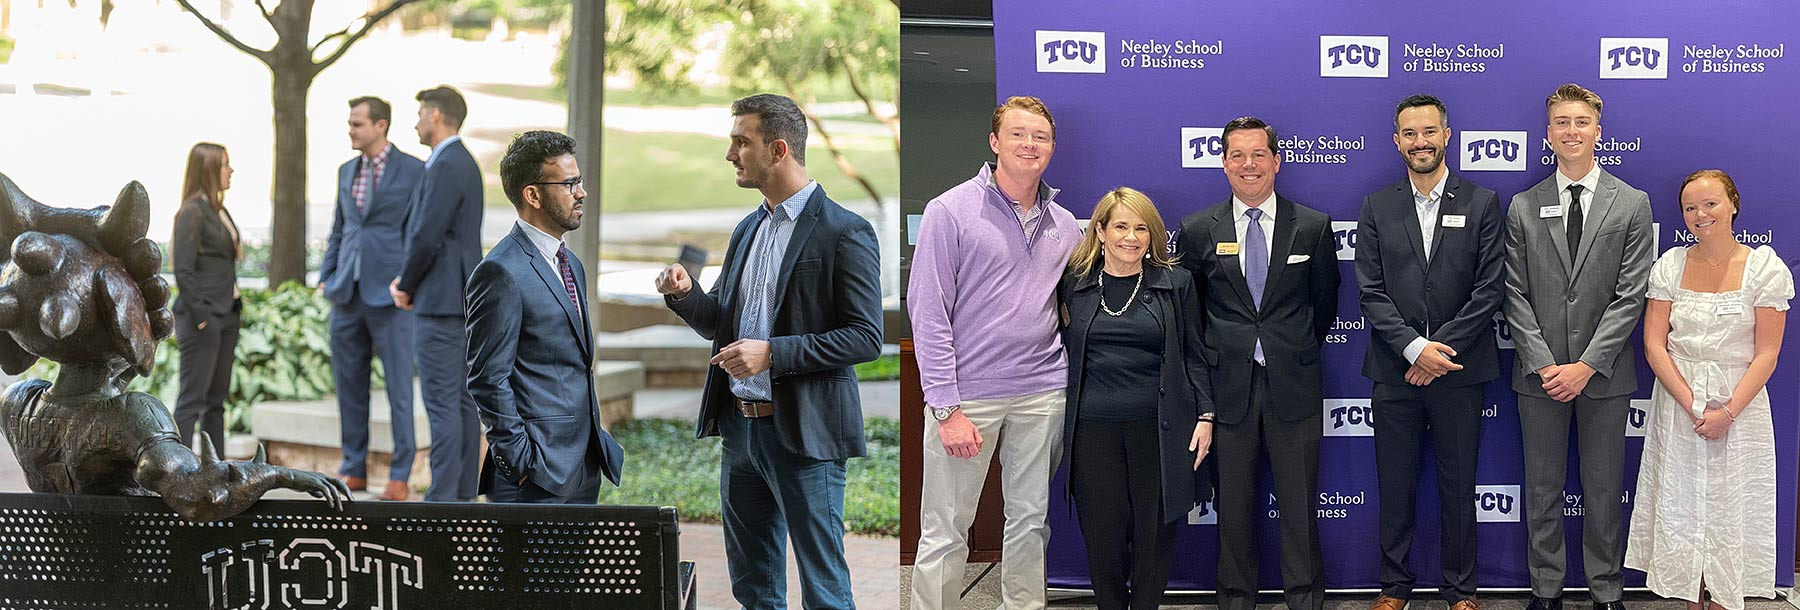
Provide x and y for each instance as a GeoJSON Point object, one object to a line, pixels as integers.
{"type": "Point", "coordinates": [1256, 264]}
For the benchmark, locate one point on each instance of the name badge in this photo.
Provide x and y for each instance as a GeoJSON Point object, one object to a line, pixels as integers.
{"type": "Point", "coordinates": [1550, 211]}
{"type": "Point", "coordinates": [1226, 249]}
{"type": "Point", "coordinates": [1454, 221]}
{"type": "Point", "coordinates": [1729, 308]}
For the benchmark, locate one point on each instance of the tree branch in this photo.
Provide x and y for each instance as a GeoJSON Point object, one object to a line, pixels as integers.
{"type": "Point", "coordinates": [267, 16]}
{"type": "Point", "coordinates": [868, 104]}
{"type": "Point", "coordinates": [224, 35]}
{"type": "Point", "coordinates": [369, 23]}
{"type": "Point", "coordinates": [843, 162]}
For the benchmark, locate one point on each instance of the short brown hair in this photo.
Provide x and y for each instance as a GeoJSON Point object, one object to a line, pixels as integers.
{"type": "Point", "coordinates": [447, 101]}
{"type": "Point", "coordinates": [1731, 191]}
{"type": "Point", "coordinates": [1572, 92]}
{"type": "Point", "coordinates": [379, 110]}
{"type": "Point", "coordinates": [1249, 122]}
{"type": "Point", "coordinates": [1026, 103]}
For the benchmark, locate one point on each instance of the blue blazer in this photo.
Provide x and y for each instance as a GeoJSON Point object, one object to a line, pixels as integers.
{"type": "Point", "coordinates": [827, 318]}
{"type": "Point", "coordinates": [1452, 299]}
{"type": "Point", "coordinates": [363, 252]}
{"type": "Point", "coordinates": [443, 233]}
{"type": "Point", "coordinates": [531, 372]}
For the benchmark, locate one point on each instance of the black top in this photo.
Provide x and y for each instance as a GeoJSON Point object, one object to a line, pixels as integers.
{"type": "Point", "coordinates": [1124, 358]}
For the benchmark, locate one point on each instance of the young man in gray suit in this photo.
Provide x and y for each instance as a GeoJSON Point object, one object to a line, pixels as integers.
{"type": "Point", "coordinates": [796, 306]}
{"type": "Point", "coordinates": [443, 243]}
{"type": "Point", "coordinates": [1429, 270]}
{"type": "Point", "coordinates": [530, 356]}
{"type": "Point", "coordinates": [1578, 254]}
{"type": "Point", "coordinates": [374, 191]}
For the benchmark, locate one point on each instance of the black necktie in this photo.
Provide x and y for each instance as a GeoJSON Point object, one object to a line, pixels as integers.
{"type": "Point", "coordinates": [1574, 222]}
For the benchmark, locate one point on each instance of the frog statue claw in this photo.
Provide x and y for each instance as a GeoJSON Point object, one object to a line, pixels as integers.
{"type": "Point", "coordinates": [80, 288]}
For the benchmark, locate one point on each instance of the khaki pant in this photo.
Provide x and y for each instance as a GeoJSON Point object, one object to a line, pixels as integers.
{"type": "Point", "coordinates": [950, 492]}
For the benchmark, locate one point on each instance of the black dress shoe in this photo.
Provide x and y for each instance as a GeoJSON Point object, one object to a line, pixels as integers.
{"type": "Point", "coordinates": [1551, 603]}
{"type": "Point", "coordinates": [1609, 605]}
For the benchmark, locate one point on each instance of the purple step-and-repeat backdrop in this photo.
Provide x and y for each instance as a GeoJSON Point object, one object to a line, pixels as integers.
{"type": "Point", "coordinates": [1140, 90]}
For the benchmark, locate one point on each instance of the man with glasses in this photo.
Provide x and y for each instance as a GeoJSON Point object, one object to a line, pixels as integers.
{"type": "Point", "coordinates": [797, 305]}
{"type": "Point", "coordinates": [530, 356]}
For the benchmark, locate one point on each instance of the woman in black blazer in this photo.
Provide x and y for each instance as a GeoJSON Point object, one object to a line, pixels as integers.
{"type": "Point", "coordinates": [1139, 420]}
{"type": "Point", "coordinates": [206, 251]}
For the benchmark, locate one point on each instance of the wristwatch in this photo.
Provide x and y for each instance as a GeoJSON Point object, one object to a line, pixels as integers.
{"type": "Point", "coordinates": [943, 413]}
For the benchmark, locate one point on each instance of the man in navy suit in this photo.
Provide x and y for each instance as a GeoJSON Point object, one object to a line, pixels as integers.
{"type": "Point", "coordinates": [374, 190]}
{"type": "Point", "coordinates": [1430, 259]}
{"type": "Point", "coordinates": [443, 243]}
{"type": "Point", "coordinates": [530, 355]}
{"type": "Point", "coordinates": [797, 305]}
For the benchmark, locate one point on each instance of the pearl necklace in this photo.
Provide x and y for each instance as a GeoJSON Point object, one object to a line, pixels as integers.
{"type": "Point", "coordinates": [1128, 300]}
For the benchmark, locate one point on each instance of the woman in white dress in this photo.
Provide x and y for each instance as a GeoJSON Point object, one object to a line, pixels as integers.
{"type": "Point", "coordinates": [1704, 526]}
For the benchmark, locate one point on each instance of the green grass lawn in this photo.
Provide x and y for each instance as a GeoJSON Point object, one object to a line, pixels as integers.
{"type": "Point", "coordinates": [666, 466]}
{"type": "Point", "coordinates": [679, 171]}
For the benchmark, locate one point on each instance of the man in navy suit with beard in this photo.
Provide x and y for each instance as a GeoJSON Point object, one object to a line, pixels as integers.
{"type": "Point", "coordinates": [530, 354]}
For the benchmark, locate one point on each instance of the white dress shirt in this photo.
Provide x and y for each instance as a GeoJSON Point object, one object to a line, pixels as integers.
{"type": "Point", "coordinates": [1242, 223]}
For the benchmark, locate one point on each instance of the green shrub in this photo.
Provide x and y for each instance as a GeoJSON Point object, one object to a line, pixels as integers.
{"type": "Point", "coordinates": [666, 466]}
{"type": "Point", "coordinates": [283, 353]}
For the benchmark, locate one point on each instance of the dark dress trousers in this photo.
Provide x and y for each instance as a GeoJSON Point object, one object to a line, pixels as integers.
{"type": "Point", "coordinates": [362, 255]}
{"type": "Point", "coordinates": [443, 243]}
{"type": "Point", "coordinates": [1449, 297]}
{"type": "Point", "coordinates": [1299, 304]}
{"type": "Point", "coordinates": [784, 473]}
{"type": "Point", "coordinates": [1133, 481]}
{"type": "Point", "coordinates": [531, 371]}
{"type": "Point", "coordinates": [205, 257]}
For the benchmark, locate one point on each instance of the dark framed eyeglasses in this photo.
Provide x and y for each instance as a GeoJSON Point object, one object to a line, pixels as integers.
{"type": "Point", "coordinates": [572, 184]}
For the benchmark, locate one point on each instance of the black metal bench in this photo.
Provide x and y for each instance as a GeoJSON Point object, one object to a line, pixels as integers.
{"type": "Point", "coordinates": [70, 552]}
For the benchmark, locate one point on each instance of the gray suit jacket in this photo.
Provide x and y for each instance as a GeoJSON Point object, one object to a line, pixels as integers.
{"type": "Point", "coordinates": [1563, 310]}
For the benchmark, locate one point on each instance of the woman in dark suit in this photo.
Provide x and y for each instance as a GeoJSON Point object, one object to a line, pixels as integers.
{"type": "Point", "coordinates": [206, 251]}
{"type": "Point", "coordinates": [1139, 421]}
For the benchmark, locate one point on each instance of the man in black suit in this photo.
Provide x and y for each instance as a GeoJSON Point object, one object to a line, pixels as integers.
{"type": "Point", "coordinates": [530, 356]}
{"type": "Point", "coordinates": [443, 243]}
{"type": "Point", "coordinates": [797, 304]}
{"type": "Point", "coordinates": [1429, 264]}
{"type": "Point", "coordinates": [1266, 268]}
{"type": "Point", "coordinates": [362, 253]}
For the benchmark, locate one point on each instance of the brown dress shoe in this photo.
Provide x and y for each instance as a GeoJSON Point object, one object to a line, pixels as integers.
{"type": "Point", "coordinates": [396, 490]}
{"type": "Point", "coordinates": [1388, 603]}
{"type": "Point", "coordinates": [356, 483]}
{"type": "Point", "coordinates": [1467, 604]}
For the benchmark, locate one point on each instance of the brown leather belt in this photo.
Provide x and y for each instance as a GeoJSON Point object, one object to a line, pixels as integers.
{"type": "Point", "coordinates": [754, 409]}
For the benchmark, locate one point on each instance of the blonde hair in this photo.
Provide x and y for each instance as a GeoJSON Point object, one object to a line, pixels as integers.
{"type": "Point", "coordinates": [1572, 92]}
{"type": "Point", "coordinates": [1026, 103]}
{"type": "Point", "coordinates": [1088, 252]}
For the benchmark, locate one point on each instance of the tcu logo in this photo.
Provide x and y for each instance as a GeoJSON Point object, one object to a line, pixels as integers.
{"type": "Point", "coordinates": [1204, 514]}
{"type": "Point", "coordinates": [240, 579]}
{"type": "Point", "coordinates": [1075, 52]}
{"type": "Point", "coordinates": [1349, 417]}
{"type": "Point", "coordinates": [1634, 58]}
{"type": "Point", "coordinates": [1343, 233]}
{"type": "Point", "coordinates": [1502, 331]}
{"type": "Point", "coordinates": [1353, 56]}
{"type": "Point", "coordinates": [1493, 151]}
{"type": "Point", "coordinates": [1496, 503]}
{"type": "Point", "coordinates": [1203, 147]}
{"type": "Point", "coordinates": [1637, 417]}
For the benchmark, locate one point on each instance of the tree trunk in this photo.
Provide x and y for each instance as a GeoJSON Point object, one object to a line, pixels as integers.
{"type": "Point", "coordinates": [287, 248]}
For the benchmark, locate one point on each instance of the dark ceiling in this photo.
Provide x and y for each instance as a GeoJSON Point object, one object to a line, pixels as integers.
{"type": "Point", "coordinates": [982, 10]}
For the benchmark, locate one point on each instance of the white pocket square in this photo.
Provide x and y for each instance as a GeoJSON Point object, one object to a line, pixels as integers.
{"type": "Point", "coordinates": [1298, 258]}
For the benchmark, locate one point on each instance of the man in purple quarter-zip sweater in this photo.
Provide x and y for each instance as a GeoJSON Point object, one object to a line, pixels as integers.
{"type": "Point", "coordinates": [982, 300]}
